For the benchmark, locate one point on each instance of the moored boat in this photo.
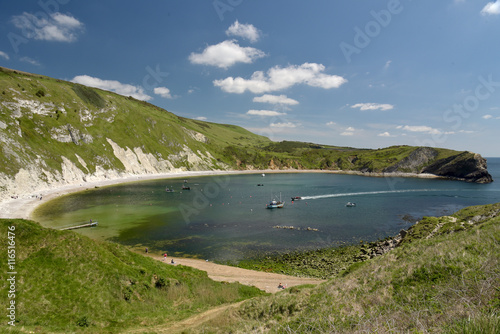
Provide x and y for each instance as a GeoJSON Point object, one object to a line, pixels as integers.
{"type": "Point", "coordinates": [274, 204]}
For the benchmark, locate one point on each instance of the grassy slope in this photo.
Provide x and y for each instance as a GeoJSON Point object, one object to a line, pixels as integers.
{"type": "Point", "coordinates": [447, 283]}
{"type": "Point", "coordinates": [67, 282]}
{"type": "Point", "coordinates": [99, 114]}
{"type": "Point", "coordinates": [131, 123]}
{"type": "Point", "coordinates": [288, 154]}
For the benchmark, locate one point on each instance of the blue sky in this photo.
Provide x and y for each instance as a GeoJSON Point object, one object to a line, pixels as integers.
{"type": "Point", "coordinates": [360, 73]}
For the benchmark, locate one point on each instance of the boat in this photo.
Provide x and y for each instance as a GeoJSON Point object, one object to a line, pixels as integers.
{"type": "Point", "coordinates": [296, 198]}
{"type": "Point", "coordinates": [274, 204]}
{"type": "Point", "coordinates": [260, 185]}
{"type": "Point", "coordinates": [169, 190]}
{"type": "Point", "coordinates": [186, 187]}
{"type": "Point", "coordinates": [350, 204]}
{"type": "Point", "coordinates": [263, 174]}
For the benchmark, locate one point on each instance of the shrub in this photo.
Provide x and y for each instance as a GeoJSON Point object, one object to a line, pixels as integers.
{"type": "Point", "coordinates": [83, 322]}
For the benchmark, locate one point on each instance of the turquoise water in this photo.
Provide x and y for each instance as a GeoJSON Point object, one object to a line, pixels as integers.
{"type": "Point", "coordinates": [224, 217]}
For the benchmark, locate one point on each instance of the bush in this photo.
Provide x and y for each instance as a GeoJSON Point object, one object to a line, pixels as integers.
{"type": "Point", "coordinates": [83, 322]}
{"type": "Point", "coordinates": [40, 93]}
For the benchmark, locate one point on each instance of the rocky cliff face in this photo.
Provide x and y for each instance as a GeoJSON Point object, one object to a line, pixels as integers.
{"type": "Point", "coordinates": [466, 166]}
{"type": "Point", "coordinates": [413, 163]}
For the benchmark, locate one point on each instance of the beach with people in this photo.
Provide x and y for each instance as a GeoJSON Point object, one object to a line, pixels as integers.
{"type": "Point", "coordinates": [22, 205]}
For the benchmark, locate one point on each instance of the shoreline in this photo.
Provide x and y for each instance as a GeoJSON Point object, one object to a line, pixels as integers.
{"type": "Point", "coordinates": [25, 204]}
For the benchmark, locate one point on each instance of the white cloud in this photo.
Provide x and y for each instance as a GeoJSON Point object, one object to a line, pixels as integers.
{"type": "Point", "coordinates": [490, 117]}
{"type": "Point", "coordinates": [265, 113]}
{"type": "Point", "coordinates": [491, 8]}
{"type": "Point", "coordinates": [283, 125]}
{"type": "Point", "coordinates": [247, 31]}
{"type": "Point", "coordinates": [419, 128]}
{"type": "Point", "coordinates": [331, 123]}
{"type": "Point", "coordinates": [163, 92]}
{"type": "Point", "coordinates": [348, 132]}
{"type": "Point", "coordinates": [4, 55]}
{"type": "Point", "coordinates": [225, 55]}
{"type": "Point", "coordinates": [281, 78]}
{"type": "Point", "coordinates": [275, 99]}
{"type": "Point", "coordinates": [29, 60]}
{"type": "Point", "coordinates": [373, 106]}
{"type": "Point", "coordinates": [114, 86]}
{"type": "Point", "coordinates": [54, 27]}
{"type": "Point", "coordinates": [201, 118]}
{"type": "Point", "coordinates": [387, 64]}
{"type": "Point", "coordinates": [385, 134]}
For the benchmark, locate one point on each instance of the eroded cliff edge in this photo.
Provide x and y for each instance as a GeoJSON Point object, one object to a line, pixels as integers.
{"type": "Point", "coordinates": [55, 133]}
{"type": "Point", "coordinates": [464, 166]}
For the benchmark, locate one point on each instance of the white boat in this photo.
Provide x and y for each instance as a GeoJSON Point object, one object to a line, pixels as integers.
{"type": "Point", "coordinates": [350, 204]}
{"type": "Point", "coordinates": [263, 174]}
{"type": "Point", "coordinates": [274, 204]}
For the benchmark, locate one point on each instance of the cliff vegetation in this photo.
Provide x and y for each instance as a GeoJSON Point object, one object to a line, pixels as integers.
{"type": "Point", "coordinates": [55, 132]}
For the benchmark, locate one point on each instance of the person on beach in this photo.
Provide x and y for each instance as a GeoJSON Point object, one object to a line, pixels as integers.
{"type": "Point", "coordinates": [146, 250]}
{"type": "Point", "coordinates": [165, 257]}
{"type": "Point", "coordinates": [172, 261]}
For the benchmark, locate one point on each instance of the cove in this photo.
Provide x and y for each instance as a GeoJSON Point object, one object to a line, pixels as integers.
{"type": "Point", "coordinates": [224, 217]}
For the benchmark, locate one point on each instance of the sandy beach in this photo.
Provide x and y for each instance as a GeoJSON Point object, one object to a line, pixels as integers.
{"type": "Point", "coordinates": [263, 280]}
{"type": "Point", "coordinates": [24, 205]}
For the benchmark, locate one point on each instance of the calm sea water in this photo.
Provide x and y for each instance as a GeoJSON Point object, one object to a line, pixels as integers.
{"type": "Point", "coordinates": [224, 217]}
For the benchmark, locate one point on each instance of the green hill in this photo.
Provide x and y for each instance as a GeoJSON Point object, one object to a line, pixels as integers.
{"type": "Point", "coordinates": [69, 283]}
{"type": "Point", "coordinates": [55, 132]}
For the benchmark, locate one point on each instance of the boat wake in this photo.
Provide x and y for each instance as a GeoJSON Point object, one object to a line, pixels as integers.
{"type": "Point", "coordinates": [374, 193]}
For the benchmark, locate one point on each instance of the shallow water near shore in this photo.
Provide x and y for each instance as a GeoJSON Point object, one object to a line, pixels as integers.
{"type": "Point", "coordinates": [224, 217]}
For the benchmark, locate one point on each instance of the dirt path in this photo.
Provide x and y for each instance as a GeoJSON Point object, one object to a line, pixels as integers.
{"type": "Point", "coordinates": [191, 322]}
{"type": "Point", "coordinates": [265, 281]}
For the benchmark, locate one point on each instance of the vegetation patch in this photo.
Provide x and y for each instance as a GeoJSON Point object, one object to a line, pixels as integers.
{"type": "Point", "coordinates": [70, 283]}
{"type": "Point", "coordinates": [89, 96]}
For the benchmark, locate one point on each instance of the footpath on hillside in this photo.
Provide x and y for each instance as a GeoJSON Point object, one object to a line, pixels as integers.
{"type": "Point", "coordinates": [265, 281]}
